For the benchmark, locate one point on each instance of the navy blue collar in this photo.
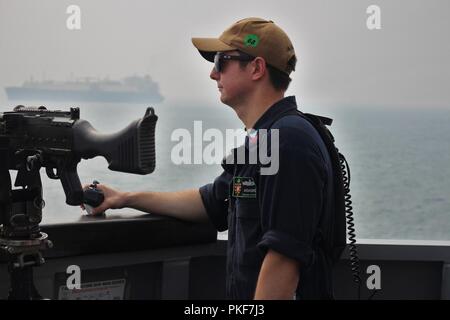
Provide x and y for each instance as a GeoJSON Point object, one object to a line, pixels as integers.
{"type": "Point", "coordinates": [281, 106]}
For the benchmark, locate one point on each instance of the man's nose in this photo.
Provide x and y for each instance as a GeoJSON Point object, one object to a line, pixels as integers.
{"type": "Point", "coordinates": [214, 75]}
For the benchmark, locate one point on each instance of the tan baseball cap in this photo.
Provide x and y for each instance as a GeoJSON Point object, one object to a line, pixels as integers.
{"type": "Point", "coordinates": [256, 37]}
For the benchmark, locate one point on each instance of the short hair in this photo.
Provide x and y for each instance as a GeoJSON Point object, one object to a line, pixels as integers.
{"type": "Point", "coordinates": [279, 80]}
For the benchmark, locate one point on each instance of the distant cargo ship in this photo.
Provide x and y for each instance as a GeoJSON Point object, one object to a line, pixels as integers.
{"type": "Point", "coordinates": [130, 89]}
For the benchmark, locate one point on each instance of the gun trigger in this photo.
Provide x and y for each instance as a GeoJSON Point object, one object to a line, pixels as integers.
{"type": "Point", "coordinates": [50, 173]}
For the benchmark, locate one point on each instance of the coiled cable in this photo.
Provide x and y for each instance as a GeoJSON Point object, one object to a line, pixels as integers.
{"type": "Point", "coordinates": [353, 252]}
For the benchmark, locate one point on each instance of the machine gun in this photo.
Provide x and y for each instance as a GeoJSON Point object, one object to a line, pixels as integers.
{"type": "Point", "coordinates": [32, 138]}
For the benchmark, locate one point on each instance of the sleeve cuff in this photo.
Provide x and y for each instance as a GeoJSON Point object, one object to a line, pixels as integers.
{"type": "Point", "coordinates": [288, 246]}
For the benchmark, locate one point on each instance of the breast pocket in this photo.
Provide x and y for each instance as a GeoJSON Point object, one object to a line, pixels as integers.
{"type": "Point", "coordinates": [248, 231]}
{"type": "Point", "coordinates": [247, 208]}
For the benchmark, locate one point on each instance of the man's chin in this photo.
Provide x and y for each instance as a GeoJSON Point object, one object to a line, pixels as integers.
{"type": "Point", "coordinates": [223, 99]}
{"type": "Point", "coordinates": [226, 101]}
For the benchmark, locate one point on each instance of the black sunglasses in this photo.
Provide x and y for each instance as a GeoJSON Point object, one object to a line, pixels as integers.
{"type": "Point", "coordinates": [219, 58]}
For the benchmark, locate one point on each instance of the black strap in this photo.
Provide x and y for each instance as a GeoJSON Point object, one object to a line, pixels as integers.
{"type": "Point", "coordinates": [326, 121]}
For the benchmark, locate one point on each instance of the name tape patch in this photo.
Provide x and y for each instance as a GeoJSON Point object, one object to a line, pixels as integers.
{"type": "Point", "coordinates": [244, 187]}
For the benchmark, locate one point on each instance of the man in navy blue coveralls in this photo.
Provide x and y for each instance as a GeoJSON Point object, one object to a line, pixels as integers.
{"type": "Point", "coordinates": [284, 216]}
{"type": "Point", "coordinates": [278, 224]}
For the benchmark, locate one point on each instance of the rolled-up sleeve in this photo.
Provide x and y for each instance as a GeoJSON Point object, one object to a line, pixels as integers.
{"type": "Point", "coordinates": [214, 196]}
{"type": "Point", "coordinates": [292, 199]}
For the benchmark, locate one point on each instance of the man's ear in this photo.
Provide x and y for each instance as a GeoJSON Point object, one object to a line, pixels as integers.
{"type": "Point", "coordinates": [259, 68]}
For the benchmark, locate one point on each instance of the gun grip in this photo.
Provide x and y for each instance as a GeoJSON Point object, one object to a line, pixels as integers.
{"type": "Point", "coordinates": [71, 185]}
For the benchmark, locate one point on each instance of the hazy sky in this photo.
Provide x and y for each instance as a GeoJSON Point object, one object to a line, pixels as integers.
{"type": "Point", "coordinates": [341, 62]}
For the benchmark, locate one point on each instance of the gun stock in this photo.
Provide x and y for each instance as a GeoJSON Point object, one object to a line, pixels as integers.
{"type": "Point", "coordinates": [130, 150]}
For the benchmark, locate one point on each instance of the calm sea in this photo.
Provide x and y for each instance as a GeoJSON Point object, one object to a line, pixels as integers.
{"type": "Point", "coordinates": [399, 160]}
